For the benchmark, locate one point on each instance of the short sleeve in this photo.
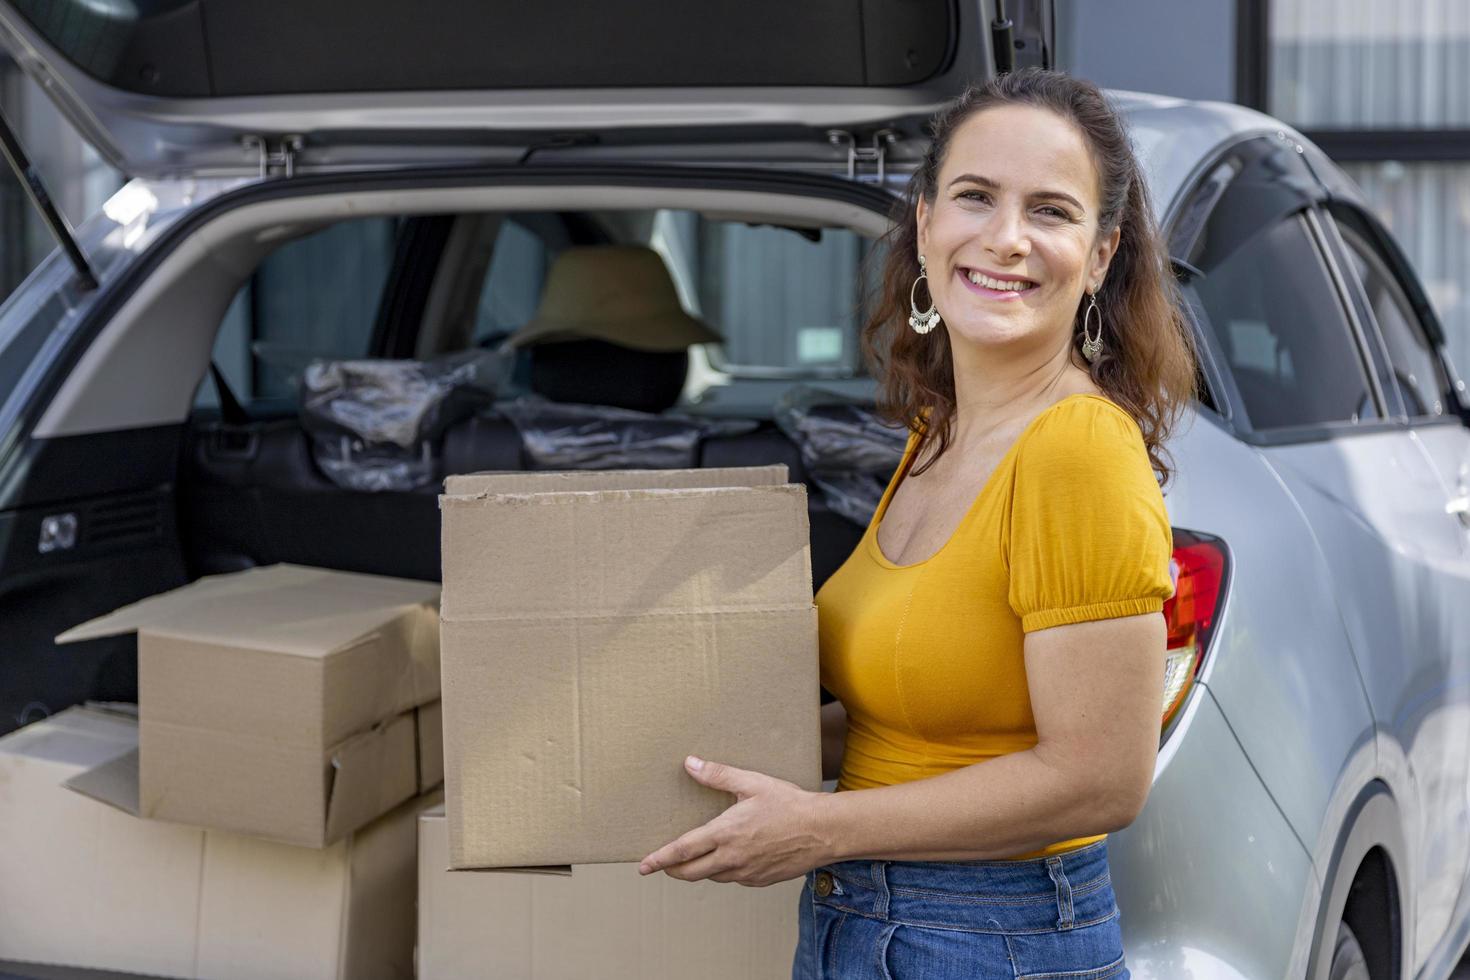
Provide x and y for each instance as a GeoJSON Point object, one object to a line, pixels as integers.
{"type": "Point", "coordinates": [1089, 537]}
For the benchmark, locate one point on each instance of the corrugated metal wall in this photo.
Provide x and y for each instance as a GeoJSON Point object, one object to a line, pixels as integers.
{"type": "Point", "coordinates": [1358, 64]}
{"type": "Point", "coordinates": [1390, 64]}
{"type": "Point", "coordinates": [1427, 207]}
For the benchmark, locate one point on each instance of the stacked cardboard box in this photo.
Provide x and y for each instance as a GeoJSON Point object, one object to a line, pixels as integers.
{"type": "Point", "coordinates": [288, 703]}
{"type": "Point", "coordinates": [86, 885]}
{"type": "Point", "coordinates": [602, 921]}
{"type": "Point", "coordinates": [288, 723]}
{"type": "Point", "coordinates": [598, 627]}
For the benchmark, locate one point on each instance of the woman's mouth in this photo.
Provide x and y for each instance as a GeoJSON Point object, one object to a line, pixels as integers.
{"type": "Point", "coordinates": [995, 287]}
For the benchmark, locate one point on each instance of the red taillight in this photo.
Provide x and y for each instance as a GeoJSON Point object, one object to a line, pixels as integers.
{"type": "Point", "coordinates": [1199, 568]}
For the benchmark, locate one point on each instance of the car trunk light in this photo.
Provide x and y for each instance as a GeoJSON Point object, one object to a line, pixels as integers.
{"type": "Point", "coordinates": [1198, 568]}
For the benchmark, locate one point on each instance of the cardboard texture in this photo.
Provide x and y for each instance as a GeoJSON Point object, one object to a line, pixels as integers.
{"type": "Point", "coordinates": [603, 921]}
{"type": "Point", "coordinates": [87, 886]}
{"type": "Point", "coordinates": [370, 773]}
{"type": "Point", "coordinates": [279, 702]}
{"type": "Point", "coordinates": [593, 638]}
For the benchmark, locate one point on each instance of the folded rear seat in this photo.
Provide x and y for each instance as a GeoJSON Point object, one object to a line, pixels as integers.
{"type": "Point", "coordinates": [487, 441]}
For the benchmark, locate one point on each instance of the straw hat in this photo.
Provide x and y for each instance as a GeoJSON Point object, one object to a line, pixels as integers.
{"type": "Point", "coordinates": [618, 293]}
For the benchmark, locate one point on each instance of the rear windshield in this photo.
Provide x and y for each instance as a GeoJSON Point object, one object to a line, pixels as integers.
{"type": "Point", "coordinates": [789, 302]}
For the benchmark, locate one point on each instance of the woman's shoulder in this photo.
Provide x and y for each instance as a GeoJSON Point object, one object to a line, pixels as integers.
{"type": "Point", "coordinates": [1086, 431]}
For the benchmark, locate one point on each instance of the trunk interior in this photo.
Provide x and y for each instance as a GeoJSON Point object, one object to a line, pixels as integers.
{"type": "Point", "coordinates": [210, 463]}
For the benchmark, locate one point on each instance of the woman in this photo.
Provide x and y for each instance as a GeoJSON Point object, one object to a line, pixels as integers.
{"type": "Point", "coordinates": [995, 641]}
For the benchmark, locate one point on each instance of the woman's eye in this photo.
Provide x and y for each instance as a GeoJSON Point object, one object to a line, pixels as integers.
{"type": "Point", "coordinates": [980, 196]}
{"type": "Point", "coordinates": [1053, 212]}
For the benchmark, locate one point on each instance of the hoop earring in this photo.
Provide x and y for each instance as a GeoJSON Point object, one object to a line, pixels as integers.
{"type": "Point", "coordinates": [925, 320]}
{"type": "Point", "coordinates": [1091, 346]}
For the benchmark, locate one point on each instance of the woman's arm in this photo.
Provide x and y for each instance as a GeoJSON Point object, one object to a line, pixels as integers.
{"type": "Point", "coordinates": [834, 738]}
{"type": "Point", "coordinates": [1096, 695]}
{"type": "Point", "coordinates": [1097, 698]}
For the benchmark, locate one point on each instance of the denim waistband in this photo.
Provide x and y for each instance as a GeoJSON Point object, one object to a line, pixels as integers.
{"type": "Point", "coordinates": [1060, 891]}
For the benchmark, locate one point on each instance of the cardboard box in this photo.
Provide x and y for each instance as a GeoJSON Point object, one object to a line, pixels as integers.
{"type": "Point", "coordinates": [604, 921]}
{"type": "Point", "coordinates": [599, 627]}
{"type": "Point", "coordinates": [88, 886]}
{"type": "Point", "coordinates": [279, 702]}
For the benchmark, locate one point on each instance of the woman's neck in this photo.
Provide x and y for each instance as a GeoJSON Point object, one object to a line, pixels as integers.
{"type": "Point", "coordinates": [992, 389]}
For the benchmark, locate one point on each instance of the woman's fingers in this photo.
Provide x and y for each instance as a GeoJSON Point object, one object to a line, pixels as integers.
{"type": "Point", "coordinates": [695, 844]}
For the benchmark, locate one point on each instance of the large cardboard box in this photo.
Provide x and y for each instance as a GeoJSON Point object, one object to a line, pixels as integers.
{"type": "Point", "coordinates": [88, 886]}
{"type": "Point", "coordinates": [598, 628]}
{"type": "Point", "coordinates": [279, 702]}
{"type": "Point", "coordinates": [604, 921]}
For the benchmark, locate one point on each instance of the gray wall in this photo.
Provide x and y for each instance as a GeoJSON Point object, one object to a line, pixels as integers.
{"type": "Point", "coordinates": [1172, 47]}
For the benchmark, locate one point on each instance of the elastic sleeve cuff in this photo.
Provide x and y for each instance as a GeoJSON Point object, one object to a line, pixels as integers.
{"type": "Point", "coordinates": [1047, 618]}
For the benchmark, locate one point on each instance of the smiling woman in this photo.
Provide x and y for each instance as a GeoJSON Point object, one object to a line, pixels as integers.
{"type": "Point", "coordinates": [995, 641]}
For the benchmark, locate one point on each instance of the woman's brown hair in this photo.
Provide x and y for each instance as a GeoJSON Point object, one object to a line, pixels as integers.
{"type": "Point", "coordinates": [1147, 364]}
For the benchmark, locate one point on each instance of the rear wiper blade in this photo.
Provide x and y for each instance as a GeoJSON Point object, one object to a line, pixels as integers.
{"type": "Point", "coordinates": [35, 188]}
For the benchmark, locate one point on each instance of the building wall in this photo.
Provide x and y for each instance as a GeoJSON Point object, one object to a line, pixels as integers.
{"type": "Point", "coordinates": [1171, 47]}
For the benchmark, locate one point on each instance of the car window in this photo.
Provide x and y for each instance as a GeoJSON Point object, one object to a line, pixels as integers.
{"type": "Point", "coordinates": [1416, 369]}
{"type": "Point", "coordinates": [786, 300]}
{"type": "Point", "coordinates": [314, 297]}
{"type": "Point", "coordinates": [1277, 319]}
{"type": "Point", "coordinates": [513, 282]}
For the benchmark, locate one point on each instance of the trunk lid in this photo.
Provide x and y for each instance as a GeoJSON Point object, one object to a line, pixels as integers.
{"type": "Point", "coordinates": [219, 87]}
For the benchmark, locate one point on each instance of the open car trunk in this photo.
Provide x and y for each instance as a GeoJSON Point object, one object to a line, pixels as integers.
{"type": "Point", "coordinates": [180, 484]}
{"type": "Point", "coordinates": [200, 87]}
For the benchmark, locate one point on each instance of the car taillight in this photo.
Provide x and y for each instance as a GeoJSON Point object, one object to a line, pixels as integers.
{"type": "Point", "coordinates": [1199, 569]}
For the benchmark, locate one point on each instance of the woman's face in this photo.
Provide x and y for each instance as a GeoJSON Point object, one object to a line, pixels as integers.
{"type": "Point", "coordinates": [1011, 240]}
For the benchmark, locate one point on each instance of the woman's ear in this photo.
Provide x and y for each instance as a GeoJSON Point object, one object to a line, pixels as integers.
{"type": "Point", "coordinates": [1102, 256]}
{"type": "Point", "coordinates": [921, 216]}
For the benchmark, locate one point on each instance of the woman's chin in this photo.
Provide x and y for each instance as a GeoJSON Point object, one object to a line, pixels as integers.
{"type": "Point", "coordinates": [987, 335]}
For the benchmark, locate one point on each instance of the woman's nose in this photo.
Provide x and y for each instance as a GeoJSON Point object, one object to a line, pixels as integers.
{"type": "Point", "coordinates": [1006, 235]}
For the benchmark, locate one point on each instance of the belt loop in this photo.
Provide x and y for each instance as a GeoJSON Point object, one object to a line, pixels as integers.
{"type": "Point", "coordinates": [880, 889]}
{"type": "Point", "coordinates": [1064, 892]}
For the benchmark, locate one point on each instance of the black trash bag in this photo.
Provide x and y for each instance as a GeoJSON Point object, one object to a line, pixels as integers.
{"type": "Point", "coordinates": [377, 425]}
{"type": "Point", "coordinates": [847, 448]}
{"type": "Point", "coordinates": [562, 436]}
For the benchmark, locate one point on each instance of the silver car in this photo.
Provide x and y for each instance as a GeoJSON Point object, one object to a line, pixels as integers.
{"type": "Point", "coordinates": [298, 176]}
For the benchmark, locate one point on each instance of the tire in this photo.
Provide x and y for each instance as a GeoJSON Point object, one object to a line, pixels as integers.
{"type": "Point", "coordinates": [1348, 962]}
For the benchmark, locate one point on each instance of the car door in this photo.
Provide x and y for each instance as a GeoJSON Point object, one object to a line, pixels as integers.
{"type": "Point", "coordinates": [1419, 371]}
{"type": "Point", "coordinates": [1308, 392]}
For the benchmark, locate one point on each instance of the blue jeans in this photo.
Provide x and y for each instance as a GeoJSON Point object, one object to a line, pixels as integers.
{"type": "Point", "coordinates": [1051, 918]}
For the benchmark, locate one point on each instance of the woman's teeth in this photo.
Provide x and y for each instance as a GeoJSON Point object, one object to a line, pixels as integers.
{"type": "Point", "coordinates": [1012, 285]}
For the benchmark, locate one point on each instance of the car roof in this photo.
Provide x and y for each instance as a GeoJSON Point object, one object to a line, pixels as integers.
{"type": "Point", "coordinates": [1174, 137]}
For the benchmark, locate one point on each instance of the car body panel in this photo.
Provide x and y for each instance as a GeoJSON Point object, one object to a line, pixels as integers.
{"type": "Point", "coordinates": [1376, 505]}
{"type": "Point", "coordinates": [1201, 898]}
{"type": "Point", "coordinates": [1280, 667]}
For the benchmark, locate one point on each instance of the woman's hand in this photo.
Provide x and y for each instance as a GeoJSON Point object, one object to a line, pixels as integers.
{"type": "Point", "coordinates": [771, 833]}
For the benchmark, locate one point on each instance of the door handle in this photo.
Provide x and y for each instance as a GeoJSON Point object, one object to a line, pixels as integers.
{"type": "Point", "coordinates": [1460, 507]}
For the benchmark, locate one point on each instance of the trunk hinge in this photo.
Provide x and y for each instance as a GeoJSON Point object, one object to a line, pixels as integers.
{"type": "Point", "coordinates": [876, 152]}
{"type": "Point", "coordinates": [279, 159]}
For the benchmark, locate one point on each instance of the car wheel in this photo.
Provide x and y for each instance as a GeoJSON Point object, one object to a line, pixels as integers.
{"type": "Point", "coordinates": [1348, 962]}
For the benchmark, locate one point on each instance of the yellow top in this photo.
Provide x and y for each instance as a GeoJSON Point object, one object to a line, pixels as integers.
{"type": "Point", "coordinates": [927, 658]}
